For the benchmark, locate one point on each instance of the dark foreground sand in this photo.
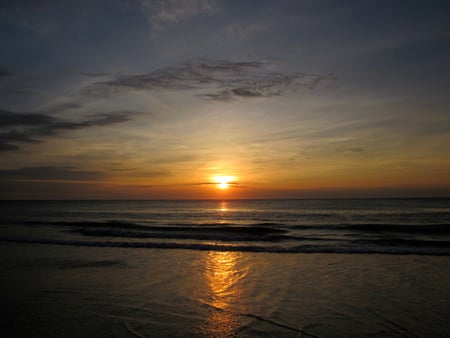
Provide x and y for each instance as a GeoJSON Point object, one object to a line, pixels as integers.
{"type": "Point", "coordinates": [62, 291]}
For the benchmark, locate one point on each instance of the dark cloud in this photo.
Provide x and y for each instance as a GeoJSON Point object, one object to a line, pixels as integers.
{"type": "Point", "coordinates": [7, 146]}
{"type": "Point", "coordinates": [13, 136]}
{"type": "Point", "coordinates": [5, 73]}
{"type": "Point", "coordinates": [9, 118]}
{"type": "Point", "coordinates": [63, 107]}
{"type": "Point", "coordinates": [221, 95]}
{"type": "Point", "coordinates": [51, 173]}
{"type": "Point", "coordinates": [31, 127]}
{"type": "Point", "coordinates": [231, 184]}
{"type": "Point", "coordinates": [216, 79]}
{"type": "Point", "coordinates": [47, 122]}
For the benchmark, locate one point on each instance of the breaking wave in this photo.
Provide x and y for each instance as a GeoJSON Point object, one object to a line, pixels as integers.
{"type": "Point", "coordinates": [399, 247]}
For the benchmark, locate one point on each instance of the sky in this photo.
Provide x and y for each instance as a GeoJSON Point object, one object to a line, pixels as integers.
{"type": "Point", "coordinates": [224, 99]}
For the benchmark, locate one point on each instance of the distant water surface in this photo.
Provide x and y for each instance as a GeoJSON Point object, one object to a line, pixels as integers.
{"type": "Point", "coordinates": [395, 226]}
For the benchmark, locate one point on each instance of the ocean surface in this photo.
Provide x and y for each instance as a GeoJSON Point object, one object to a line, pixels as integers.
{"type": "Point", "coordinates": [394, 226]}
{"type": "Point", "coordinates": [240, 268]}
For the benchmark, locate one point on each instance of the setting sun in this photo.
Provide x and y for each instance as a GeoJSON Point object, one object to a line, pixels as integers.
{"type": "Point", "coordinates": [223, 182]}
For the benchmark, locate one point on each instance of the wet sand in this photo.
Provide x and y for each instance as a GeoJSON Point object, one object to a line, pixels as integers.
{"type": "Point", "coordinates": [56, 291]}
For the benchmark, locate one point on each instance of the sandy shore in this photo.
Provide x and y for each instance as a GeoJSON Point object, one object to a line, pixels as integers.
{"type": "Point", "coordinates": [55, 291]}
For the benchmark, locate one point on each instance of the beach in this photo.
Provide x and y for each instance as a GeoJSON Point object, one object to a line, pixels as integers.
{"type": "Point", "coordinates": [246, 268]}
{"type": "Point", "coordinates": [55, 291]}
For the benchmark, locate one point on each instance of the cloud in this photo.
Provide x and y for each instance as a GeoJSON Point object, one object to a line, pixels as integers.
{"type": "Point", "coordinates": [18, 127]}
{"type": "Point", "coordinates": [51, 173]}
{"type": "Point", "coordinates": [230, 184]}
{"type": "Point", "coordinates": [5, 73]}
{"type": "Point", "coordinates": [7, 146]}
{"type": "Point", "coordinates": [9, 118]}
{"type": "Point", "coordinates": [58, 108]}
{"type": "Point", "coordinates": [9, 139]}
{"type": "Point", "coordinates": [162, 13]}
{"type": "Point", "coordinates": [216, 79]}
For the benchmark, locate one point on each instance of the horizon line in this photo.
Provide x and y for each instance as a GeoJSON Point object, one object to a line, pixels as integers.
{"type": "Point", "coordinates": [223, 199]}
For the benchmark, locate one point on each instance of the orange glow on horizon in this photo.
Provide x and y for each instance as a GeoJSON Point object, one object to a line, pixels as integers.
{"type": "Point", "coordinates": [223, 182]}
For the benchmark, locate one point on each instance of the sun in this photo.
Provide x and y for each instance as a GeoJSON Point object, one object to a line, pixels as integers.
{"type": "Point", "coordinates": [223, 182]}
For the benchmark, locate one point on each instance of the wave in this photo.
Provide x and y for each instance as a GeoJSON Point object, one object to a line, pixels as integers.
{"type": "Point", "coordinates": [228, 226]}
{"type": "Point", "coordinates": [359, 234]}
{"type": "Point", "coordinates": [381, 228]}
{"type": "Point", "coordinates": [200, 231]}
{"type": "Point", "coordinates": [427, 249]}
{"type": "Point", "coordinates": [183, 233]}
{"type": "Point", "coordinates": [254, 228]}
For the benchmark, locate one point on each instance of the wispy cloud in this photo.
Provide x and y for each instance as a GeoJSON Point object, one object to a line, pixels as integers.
{"type": "Point", "coordinates": [58, 173]}
{"type": "Point", "coordinates": [28, 127]}
{"type": "Point", "coordinates": [230, 184]}
{"type": "Point", "coordinates": [162, 13]}
{"type": "Point", "coordinates": [216, 79]}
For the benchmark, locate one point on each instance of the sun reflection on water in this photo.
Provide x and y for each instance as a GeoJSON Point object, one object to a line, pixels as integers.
{"type": "Point", "coordinates": [223, 276]}
{"type": "Point", "coordinates": [223, 206]}
{"type": "Point", "coordinates": [222, 212]}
